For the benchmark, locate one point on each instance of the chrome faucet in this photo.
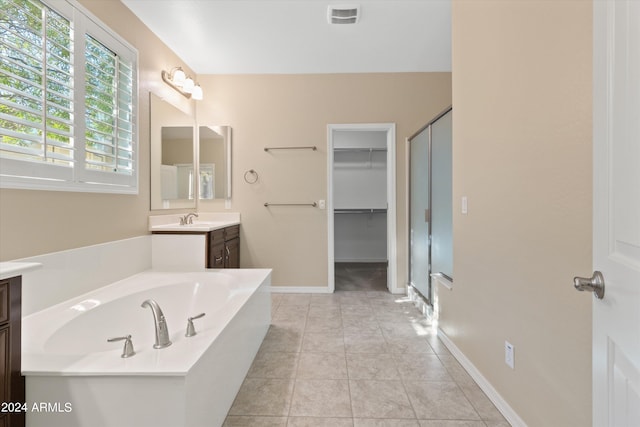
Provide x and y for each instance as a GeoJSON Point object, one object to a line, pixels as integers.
{"type": "Point", "coordinates": [188, 218]}
{"type": "Point", "coordinates": [162, 332]}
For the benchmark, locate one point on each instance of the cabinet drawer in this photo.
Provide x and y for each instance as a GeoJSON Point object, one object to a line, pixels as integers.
{"type": "Point", "coordinates": [231, 232]}
{"type": "Point", "coordinates": [4, 302]}
{"type": "Point", "coordinates": [217, 236]}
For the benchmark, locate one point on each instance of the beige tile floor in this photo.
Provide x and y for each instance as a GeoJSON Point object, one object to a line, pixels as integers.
{"type": "Point", "coordinates": [358, 359]}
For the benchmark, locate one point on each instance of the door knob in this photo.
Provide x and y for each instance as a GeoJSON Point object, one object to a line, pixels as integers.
{"type": "Point", "coordinates": [594, 284]}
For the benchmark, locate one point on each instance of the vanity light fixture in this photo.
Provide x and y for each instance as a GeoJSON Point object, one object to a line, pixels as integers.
{"type": "Point", "coordinates": [177, 79]}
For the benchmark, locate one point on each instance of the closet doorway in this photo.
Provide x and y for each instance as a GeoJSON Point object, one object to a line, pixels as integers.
{"type": "Point", "coordinates": [361, 216]}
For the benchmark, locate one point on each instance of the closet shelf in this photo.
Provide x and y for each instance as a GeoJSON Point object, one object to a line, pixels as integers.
{"type": "Point", "coordinates": [349, 157]}
{"type": "Point", "coordinates": [359, 210]}
{"type": "Point", "coordinates": [366, 150]}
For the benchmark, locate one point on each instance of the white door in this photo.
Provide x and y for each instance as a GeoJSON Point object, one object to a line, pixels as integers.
{"type": "Point", "coordinates": [616, 226]}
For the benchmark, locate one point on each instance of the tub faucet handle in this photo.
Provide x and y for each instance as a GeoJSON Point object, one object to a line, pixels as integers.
{"type": "Point", "coordinates": [128, 350]}
{"type": "Point", "coordinates": [191, 330]}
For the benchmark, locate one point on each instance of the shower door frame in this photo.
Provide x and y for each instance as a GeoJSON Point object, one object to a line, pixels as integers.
{"type": "Point", "coordinates": [427, 298]}
{"type": "Point", "coordinates": [392, 265]}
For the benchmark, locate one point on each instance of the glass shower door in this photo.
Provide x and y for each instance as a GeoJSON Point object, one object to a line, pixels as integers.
{"type": "Point", "coordinates": [441, 198]}
{"type": "Point", "coordinates": [430, 198]}
{"type": "Point", "coordinates": [419, 213]}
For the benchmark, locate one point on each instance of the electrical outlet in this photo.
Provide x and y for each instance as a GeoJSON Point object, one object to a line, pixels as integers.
{"type": "Point", "coordinates": [509, 354]}
{"type": "Point", "coordinates": [322, 204]}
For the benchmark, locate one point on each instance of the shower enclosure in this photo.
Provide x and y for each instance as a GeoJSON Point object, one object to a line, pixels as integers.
{"type": "Point", "coordinates": [430, 201]}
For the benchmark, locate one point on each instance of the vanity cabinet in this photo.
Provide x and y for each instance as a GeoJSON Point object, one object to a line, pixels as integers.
{"type": "Point", "coordinates": [191, 249]}
{"type": "Point", "coordinates": [12, 393]}
{"type": "Point", "coordinates": [224, 248]}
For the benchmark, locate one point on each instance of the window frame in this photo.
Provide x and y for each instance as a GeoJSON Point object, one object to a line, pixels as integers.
{"type": "Point", "coordinates": [24, 174]}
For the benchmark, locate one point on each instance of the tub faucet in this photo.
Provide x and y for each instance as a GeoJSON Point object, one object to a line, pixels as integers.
{"type": "Point", "coordinates": [162, 332]}
{"type": "Point", "coordinates": [188, 218]}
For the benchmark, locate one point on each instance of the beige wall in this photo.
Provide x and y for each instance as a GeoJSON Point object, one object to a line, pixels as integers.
{"type": "Point", "coordinates": [522, 102]}
{"type": "Point", "coordinates": [37, 222]}
{"type": "Point", "coordinates": [263, 110]}
{"type": "Point", "coordinates": [284, 110]}
{"type": "Point", "coordinates": [522, 156]}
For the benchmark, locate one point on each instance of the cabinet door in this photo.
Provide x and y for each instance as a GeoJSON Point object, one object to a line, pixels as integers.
{"type": "Point", "coordinates": [215, 249]}
{"type": "Point", "coordinates": [232, 253]}
{"type": "Point", "coordinates": [4, 302]}
{"type": "Point", "coordinates": [217, 256]}
{"type": "Point", "coordinates": [5, 365]}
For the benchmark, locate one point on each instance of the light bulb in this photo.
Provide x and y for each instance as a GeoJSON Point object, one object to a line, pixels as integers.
{"type": "Point", "coordinates": [188, 85]}
{"type": "Point", "coordinates": [197, 93]}
{"type": "Point", "coordinates": [178, 77]}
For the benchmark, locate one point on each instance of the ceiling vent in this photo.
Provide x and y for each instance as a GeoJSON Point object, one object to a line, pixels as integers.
{"type": "Point", "coordinates": [343, 14]}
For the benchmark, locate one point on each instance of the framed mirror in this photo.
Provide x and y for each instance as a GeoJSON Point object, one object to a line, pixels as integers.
{"type": "Point", "coordinates": [214, 145]}
{"type": "Point", "coordinates": [173, 166]}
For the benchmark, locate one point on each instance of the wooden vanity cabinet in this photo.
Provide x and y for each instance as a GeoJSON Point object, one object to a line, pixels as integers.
{"type": "Point", "coordinates": [12, 381]}
{"type": "Point", "coordinates": [224, 248]}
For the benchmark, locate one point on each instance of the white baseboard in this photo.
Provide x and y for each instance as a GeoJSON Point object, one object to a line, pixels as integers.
{"type": "Point", "coordinates": [493, 395]}
{"type": "Point", "coordinates": [300, 290]}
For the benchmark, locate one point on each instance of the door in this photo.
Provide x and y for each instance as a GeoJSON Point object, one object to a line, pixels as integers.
{"type": "Point", "coordinates": [389, 182]}
{"type": "Point", "coordinates": [430, 205]}
{"type": "Point", "coordinates": [616, 228]}
{"type": "Point", "coordinates": [419, 212]}
{"type": "Point", "coordinates": [441, 198]}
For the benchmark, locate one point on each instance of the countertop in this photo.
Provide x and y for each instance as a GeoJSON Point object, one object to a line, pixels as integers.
{"type": "Point", "coordinates": [205, 222]}
{"type": "Point", "coordinates": [16, 268]}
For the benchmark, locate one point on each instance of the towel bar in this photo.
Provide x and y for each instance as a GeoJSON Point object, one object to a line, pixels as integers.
{"type": "Point", "coordinates": [267, 204]}
{"type": "Point", "coordinates": [313, 147]}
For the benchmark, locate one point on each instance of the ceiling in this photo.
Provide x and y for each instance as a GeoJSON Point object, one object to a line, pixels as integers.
{"type": "Point", "coordinates": [294, 37]}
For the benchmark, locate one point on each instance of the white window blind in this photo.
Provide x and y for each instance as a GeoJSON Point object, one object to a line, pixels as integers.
{"type": "Point", "coordinates": [68, 90]}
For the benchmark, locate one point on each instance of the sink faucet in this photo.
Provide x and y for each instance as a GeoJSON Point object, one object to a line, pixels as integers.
{"type": "Point", "coordinates": [162, 332]}
{"type": "Point", "coordinates": [188, 218]}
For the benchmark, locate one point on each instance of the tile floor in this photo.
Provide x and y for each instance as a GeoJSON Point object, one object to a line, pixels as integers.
{"type": "Point", "coordinates": [356, 358]}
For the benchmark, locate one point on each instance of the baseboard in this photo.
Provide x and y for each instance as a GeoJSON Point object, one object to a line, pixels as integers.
{"type": "Point", "coordinates": [300, 290]}
{"type": "Point", "coordinates": [493, 395]}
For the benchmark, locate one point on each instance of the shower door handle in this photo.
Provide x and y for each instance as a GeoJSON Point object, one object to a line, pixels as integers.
{"type": "Point", "coordinates": [427, 215]}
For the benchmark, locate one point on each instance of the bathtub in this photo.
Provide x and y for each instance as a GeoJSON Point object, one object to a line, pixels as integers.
{"type": "Point", "coordinates": [74, 377]}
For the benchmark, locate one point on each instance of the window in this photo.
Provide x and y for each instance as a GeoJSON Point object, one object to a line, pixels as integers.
{"type": "Point", "coordinates": [68, 102]}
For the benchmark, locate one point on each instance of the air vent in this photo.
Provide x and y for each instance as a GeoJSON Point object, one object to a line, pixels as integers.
{"type": "Point", "coordinates": [344, 14]}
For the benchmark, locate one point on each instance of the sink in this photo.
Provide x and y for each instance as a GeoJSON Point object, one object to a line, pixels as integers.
{"type": "Point", "coordinates": [203, 226]}
{"type": "Point", "coordinates": [206, 221]}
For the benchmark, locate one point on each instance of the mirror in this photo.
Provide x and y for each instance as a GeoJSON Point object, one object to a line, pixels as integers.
{"type": "Point", "coordinates": [214, 144]}
{"type": "Point", "coordinates": [174, 163]}
{"type": "Point", "coordinates": [172, 132]}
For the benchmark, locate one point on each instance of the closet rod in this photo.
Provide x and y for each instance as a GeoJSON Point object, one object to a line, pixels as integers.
{"type": "Point", "coordinates": [367, 150]}
{"type": "Point", "coordinates": [267, 204]}
{"type": "Point", "coordinates": [359, 211]}
{"type": "Point", "coordinates": [312, 147]}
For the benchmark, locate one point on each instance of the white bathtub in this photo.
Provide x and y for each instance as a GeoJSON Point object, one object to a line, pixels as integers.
{"type": "Point", "coordinates": [83, 381]}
